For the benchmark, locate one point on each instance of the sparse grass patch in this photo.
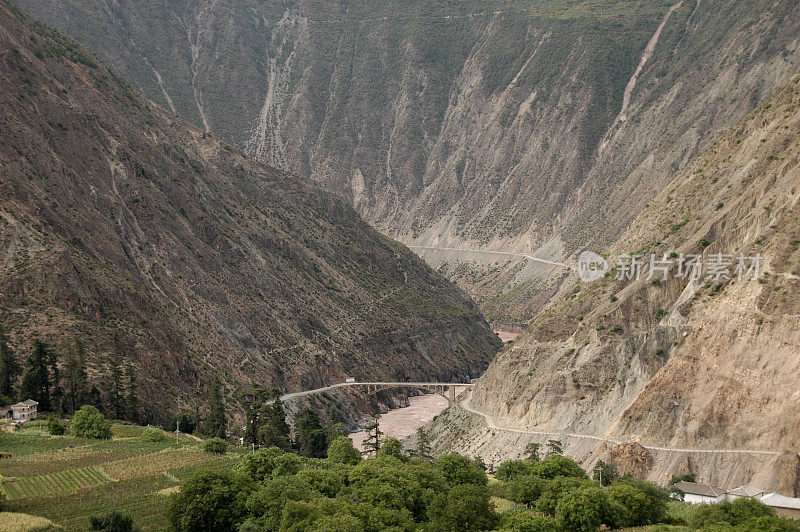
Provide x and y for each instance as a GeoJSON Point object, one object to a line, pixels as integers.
{"type": "Point", "coordinates": [17, 522]}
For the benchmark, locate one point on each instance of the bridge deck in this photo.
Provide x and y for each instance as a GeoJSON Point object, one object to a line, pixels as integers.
{"type": "Point", "coordinates": [373, 383]}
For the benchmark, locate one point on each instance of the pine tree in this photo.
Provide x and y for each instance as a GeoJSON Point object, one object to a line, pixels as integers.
{"type": "Point", "coordinates": [9, 367]}
{"type": "Point", "coordinates": [310, 436]}
{"type": "Point", "coordinates": [335, 426]}
{"type": "Point", "coordinates": [36, 381]}
{"type": "Point", "coordinates": [554, 447]}
{"type": "Point", "coordinates": [423, 449]}
{"type": "Point", "coordinates": [93, 398]}
{"type": "Point", "coordinates": [372, 443]}
{"type": "Point", "coordinates": [114, 400]}
{"type": "Point", "coordinates": [532, 450]}
{"type": "Point", "coordinates": [216, 424]}
{"type": "Point", "coordinates": [276, 431]}
{"type": "Point", "coordinates": [253, 400]}
{"type": "Point", "coordinates": [132, 395]}
{"type": "Point", "coordinates": [76, 392]}
{"type": "Point", "coordinates": [57, 395]}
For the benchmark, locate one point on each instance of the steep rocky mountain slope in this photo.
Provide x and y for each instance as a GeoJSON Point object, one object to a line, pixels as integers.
{"type": "Point", "coordinates": [708, 363]}
{"type": "Point", "coordinates": [530, 127]}
{"type": "Point", "coordinates": [159, 245]}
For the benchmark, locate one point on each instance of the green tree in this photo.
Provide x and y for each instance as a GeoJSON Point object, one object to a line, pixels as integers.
{"type": "Point", "coordinates": [260, 464]}
{"type": "Point", "coordinates": [555, 490]}
{"type": "Point", "coordinates": [210, 501]}
{"type": "Point", "coordinates": [88, 422]}
{"type": "Point", "coordinates": [465, 507]}
{"type": "Point", "coordinates": [556, 465]}
{"type": "Point", "coordinates": [392, 447]}
{"type": "Point", "coordinates": [586, 508]}
{"type": "Point", "coordinates": [733, 514]}
{"type": "Point", "coordinates": [215, 446]}
{"type": "Point", "coordinates": [554, 447]}
{"type": "Point", "coordinates": [94, 398]}
{"type": "Point", "coordinates": [266, 505]}
{"type": "Point", "coordinates": [532, 451]}
{"type": "Point", "coordinates": [526, 489]}
{"type": "Point", "coordinates": [153, 435]}
{"type": "Point", "coordinates": [512, 469]}
{"type": "Point", "coordinates": [216, 424]}
{"type": "Point", "coordinates": [342, 451]}
{"type": "Point", "coordinates": [328, 482]}
{"type": "Point", "coordinates": [604, 473]}
{"type": "Point", "coordinates": [528, 522]}
{"type": "Point", "coordinates": [657, 499]}
{"type": "Point", "coordinates": [686, 477]}
{"type": "Point", "coordinates": [388, 482]}
{"type": "Point", "coordinates": [458, 470]}
{"type": "Point", "coordinates": [635, 502]}
{"type": "Point", "coordinates": [54, 426]}
{"type": "Point", "coordinates": [131, 400]}
{"type": "Point", "coordinates": [57, 394]}
{"type": "Point", "coordinates": [372, 443]}
{"type": "Point", "coordinates": [36, 380]}
{"type": "Point", "coordinates": [335, 425]}
{"type": "Point", "coordinates": [309, 435]}
{"type": "Point", "coordinates": [112, 522]}
{"type": "Point", "coordinates": [253, 400]}
{"type": "Point", "coordinates": [186, 422]}
{"type": "Point", "coordinates": [276, 431]}
{"type": "Point", "coordinates": [423, 448]}
{"type": "Point", "coordinates": [115, 401]}
{"type": "Point", "coordinates": [9, 368]}
{"type": "Point", "coordinates": [75, 380]}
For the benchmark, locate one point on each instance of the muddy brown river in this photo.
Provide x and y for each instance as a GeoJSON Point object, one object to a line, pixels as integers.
{"type": "Point", "coordinates": [403, 422]}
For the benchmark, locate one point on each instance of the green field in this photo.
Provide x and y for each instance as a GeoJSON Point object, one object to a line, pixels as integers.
{"type": "Point", "coordinates": [67, 479]}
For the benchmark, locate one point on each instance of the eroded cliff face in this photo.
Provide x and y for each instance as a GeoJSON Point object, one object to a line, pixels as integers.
{"type": "Point", "coordinates": [159, 245]}
{"type": "Point", "coordinates": [679, 366]}
{"type": "Point", "coordinates": [473, 125]}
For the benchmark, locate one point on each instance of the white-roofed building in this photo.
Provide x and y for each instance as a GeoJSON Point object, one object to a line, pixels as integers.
{"type": "Point", "coordinates": [745, 491]}
{"type": "Point", "coordinates": [783, 505]}
{"type": "Point", "coordinates": [696, 493]}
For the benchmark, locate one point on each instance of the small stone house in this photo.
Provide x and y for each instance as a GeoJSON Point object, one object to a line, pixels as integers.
{"type": "Point", "coordinates": [27, 410]}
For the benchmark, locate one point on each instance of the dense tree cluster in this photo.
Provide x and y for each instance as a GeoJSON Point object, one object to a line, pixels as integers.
{"type": "Point", "coordinates": [275, 490]}
{"type": "Point", "coordinates": [272, 489]}
{"type": "Point", "coordinates": [57, 379]}
{"type": "Point", "coordinates": [266, 425]}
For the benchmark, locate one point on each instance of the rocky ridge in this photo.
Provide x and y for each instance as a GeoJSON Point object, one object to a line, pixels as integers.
{"type": "Point", "coordinates": [530, 128]}
{"type": "Point", "coordinates": [680, 366]}
{"type": "Point", "coordinates": [161, 246]}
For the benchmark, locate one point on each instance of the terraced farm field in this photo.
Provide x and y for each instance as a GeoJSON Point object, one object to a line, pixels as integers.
{"type": "Point", "coordinates": [67, 479]}
{"type": "Point", "coordinates": [54, 483]}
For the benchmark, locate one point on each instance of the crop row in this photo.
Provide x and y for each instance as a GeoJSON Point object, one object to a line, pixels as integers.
{"type": "Point", "coordinates": [155, 463]}
{"type": "Point", "coordinates": [54, 483]}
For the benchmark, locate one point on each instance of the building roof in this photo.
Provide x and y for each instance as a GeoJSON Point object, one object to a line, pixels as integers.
{"type": "Point", "coordinates": [746, 491]}
{"type": "Point", "coordinates": [695, 488]}
{"type": "Point", "coordinates": [26, 402]}
{"type": "Point", "coordinates": [781, 501]}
